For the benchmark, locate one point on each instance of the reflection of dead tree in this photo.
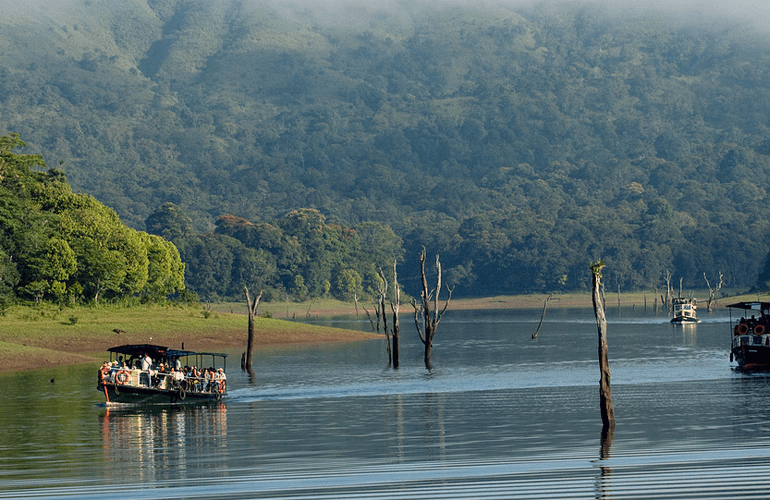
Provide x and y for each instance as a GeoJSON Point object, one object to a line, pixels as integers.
{"type": "Point", "coordinates": [426, 319]}
{"type": "Point", "coordinates": [252, 306]}
{"type": "Point", "coordinates": [542, 316]}
{"type": "Point", "coordinates": [712, 302]}
{"type": "Point", "coordinates": [604, 484]}
{"type": "Point", "coordinates": [605, 392]}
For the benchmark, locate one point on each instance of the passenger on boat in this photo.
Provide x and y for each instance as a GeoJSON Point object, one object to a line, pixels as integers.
{"type": "Point", "coordinates": [214, 379]}
{"type": "Point", "coordinates": [196, 374]}
{"type": "Point", "coordinates": [176, 377]}
{"type": "Point", "coordinates": [104, 372]}
{"type": "Point", "coordinates": [144, 377]}
{"type": "Point", "coordinates": [208, 377]}
{"type": "Point", "coordinates": [158, 376]}
{"type": "Point", "coordinates": [222, 380]}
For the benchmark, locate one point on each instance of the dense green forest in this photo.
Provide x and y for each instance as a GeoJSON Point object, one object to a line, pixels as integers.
{"type": "Point", "coordinates": [68, 248]}
{"type": "Point", "coordinates": [519, 141]}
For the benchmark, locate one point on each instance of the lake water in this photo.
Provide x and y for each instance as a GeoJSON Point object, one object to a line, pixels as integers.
{"type": "Point", "coordinates": [500, 416]}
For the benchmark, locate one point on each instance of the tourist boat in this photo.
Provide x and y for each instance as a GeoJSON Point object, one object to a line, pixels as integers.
{"type": "Point", "coordinates": [751, 339]}
{"type": "Point", "coordinates": [684, 311]}
{"type": "Point", "coordinates": [147, 373]}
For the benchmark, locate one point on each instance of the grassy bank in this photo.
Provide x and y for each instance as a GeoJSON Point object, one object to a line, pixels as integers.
{"type": "Point", "coordinates": [49, 336]}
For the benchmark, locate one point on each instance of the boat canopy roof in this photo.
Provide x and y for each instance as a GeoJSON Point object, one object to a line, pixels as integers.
{"type": "Point", "coordinates": [157, 351]}
{"type": "Point", "coordinates": [755, 306]}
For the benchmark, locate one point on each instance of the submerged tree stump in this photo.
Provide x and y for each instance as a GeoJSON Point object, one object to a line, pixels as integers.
{"type": "Point", "coordinates": [605, 392]}
{"type": "Point", "coordinates": [252, 306]}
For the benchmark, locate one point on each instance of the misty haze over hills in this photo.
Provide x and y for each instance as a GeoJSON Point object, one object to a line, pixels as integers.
{"type": "Point", "coordinates": [519, 140]}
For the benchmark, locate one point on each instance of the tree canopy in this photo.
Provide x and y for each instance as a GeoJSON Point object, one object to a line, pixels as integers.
{"type": "Point", "coordinates": [516, 139]}
{"type": "Point", "coordinates": [61, 246]}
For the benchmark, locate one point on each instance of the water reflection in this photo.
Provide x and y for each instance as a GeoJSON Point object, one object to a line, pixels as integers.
{"type": "Point", "coordinates": [605, 474]}
{"type": "Point", "coordinates": [435, 432]}
{"type": "Point", "coordinates": [159, 439]}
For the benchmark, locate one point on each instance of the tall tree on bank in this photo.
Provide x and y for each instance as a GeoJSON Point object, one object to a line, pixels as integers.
{"type": "Point", "coordinates": [605, 392]}
{"type": "Point", "coordinates": [252, 307]}
{"type": "Point", "coordinates": [427, 317]}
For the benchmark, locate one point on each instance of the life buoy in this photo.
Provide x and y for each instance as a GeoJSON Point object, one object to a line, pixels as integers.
{"type": "Point", "coordinates": [121, 377]}
{"type": "Point", "coordinates": [222, 386]}
{"type": "Point", "coordinates": [759, 329]}
{"type": "Point", "coordinates": [743, 329]}
{"type": "Point", "coordinates": [181, 394]}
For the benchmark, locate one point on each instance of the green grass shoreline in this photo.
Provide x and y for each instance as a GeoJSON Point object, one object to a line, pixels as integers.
{"type": "Point", "coordinates": [46, 335]}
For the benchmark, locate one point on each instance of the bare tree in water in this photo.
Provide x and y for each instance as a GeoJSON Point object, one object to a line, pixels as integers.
{"type": "Point", "coordinates": [391, 334]}
{"type": "Point", "coordinates": [379, 309]}
{"type": "Point", "coordinates": [252, 307]}
{"type": "Point", "coordinates": [712, 302]}
{"type": "Point", "coordinates": [426, 315]}
{"type": "Point", "coordinates": [395, 306]}
{"type": "Point", "coordinates": [605, 392]}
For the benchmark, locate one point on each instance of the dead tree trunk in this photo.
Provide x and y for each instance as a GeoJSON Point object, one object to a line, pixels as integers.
{"type": "Point", "coordinates": [711, 304]}
{"type": "Point", "coordinates": [667, 300]}
{"type": "Point", "coordinates": [426, 319]}
{"type": "Point", "coordinates": [385, 328]}
{"type": "Point", "coordinates": [394, 306]}
{"type": "Point", "coordinates": [252, 307]}
{"type": "Point", "coordinates": [605, 392]}
{"type": "Point", "coordinates": [381, 316]}
{"type": "Point", "coordinates": [542, 316]}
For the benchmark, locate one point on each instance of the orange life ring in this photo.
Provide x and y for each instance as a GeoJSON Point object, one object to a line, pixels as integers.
{"type": "Point", "coordinates": [222, 386]}
{"type": "Point", "coordinates": [121, 377]}
{"type": "Point", "coordinates": [759, 329]}
{"type": "Point", "coordinates": [743, 329]}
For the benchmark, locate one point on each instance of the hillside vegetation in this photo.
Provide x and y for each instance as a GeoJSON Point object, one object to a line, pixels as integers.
{"type": "Point", "coordinates": [517, 140]}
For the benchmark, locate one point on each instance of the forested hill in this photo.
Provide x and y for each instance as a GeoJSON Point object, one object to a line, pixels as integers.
{"type": "Point", "coordinates": [518, 140]}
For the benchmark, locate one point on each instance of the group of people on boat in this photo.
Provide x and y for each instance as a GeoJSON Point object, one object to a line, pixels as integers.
{"type": "Point", "coordinates": [751, 325]}
{"type": "Point", "coordinates": [143, 372]}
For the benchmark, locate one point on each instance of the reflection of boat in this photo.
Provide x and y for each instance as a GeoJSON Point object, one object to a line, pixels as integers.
{"type": "Point", "coordinates": [751, 341]}
{"type": "Point", "coordinates": [684, 310]}
{"type": "Point", "coordinates": [146, 373]}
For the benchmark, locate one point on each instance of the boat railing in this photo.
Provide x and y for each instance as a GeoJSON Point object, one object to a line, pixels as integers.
{"type": "Point", "coordinates": [161, 380]}
{"type": "Point", "coordinates": [750, 339]}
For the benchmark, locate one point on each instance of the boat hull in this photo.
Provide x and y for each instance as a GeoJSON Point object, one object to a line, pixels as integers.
{"type": "Point", "coordinates": [115, 393]}
{"type": "Point", "coordinates": [685, 321]}
{"type": "Point", "coordinates": [751, 351]}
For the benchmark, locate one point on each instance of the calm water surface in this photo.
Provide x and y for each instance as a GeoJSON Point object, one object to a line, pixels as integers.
{"type": "Point", "coordinates": [500, 416]}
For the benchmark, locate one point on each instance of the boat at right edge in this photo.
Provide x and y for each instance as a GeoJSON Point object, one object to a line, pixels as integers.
{"type": "Point", "coordinates": [750, 336]}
